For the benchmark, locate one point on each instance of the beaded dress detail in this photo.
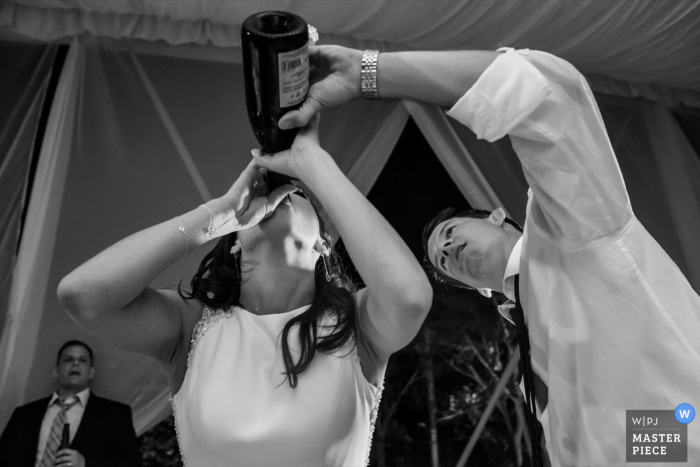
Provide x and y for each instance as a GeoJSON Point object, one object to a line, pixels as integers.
{"type": "Point", "coordinates": [236, 408]}
{"type": "Point", "coordinates": [373, 420]}
{"type": "Point", "coordinates": [209, 318]}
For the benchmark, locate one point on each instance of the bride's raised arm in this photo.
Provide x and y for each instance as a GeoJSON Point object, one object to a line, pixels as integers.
{"type": "Point", "coordinates": [109, 294]}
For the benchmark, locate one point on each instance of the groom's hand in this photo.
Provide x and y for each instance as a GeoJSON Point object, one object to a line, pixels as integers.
{"type": "Point", "coordinates": [335, 78]}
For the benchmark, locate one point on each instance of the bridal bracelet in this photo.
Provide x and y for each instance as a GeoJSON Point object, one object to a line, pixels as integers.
{"type": "Point", "coordinates": [208, 230]}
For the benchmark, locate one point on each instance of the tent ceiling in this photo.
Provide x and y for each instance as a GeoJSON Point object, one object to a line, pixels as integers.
{"type": "Point", "coordinates": [639, 41]}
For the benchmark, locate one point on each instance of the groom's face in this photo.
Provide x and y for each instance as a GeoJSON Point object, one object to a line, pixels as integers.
{"type": "Point", "coordinates": [469, 250]}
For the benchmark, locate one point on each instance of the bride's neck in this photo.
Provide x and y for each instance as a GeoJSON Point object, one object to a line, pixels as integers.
{"type": "Point", "coordinates": [275, 286]}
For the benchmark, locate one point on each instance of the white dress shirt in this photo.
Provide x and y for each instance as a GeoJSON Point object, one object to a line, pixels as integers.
{"type": "Point", "coordinates": [613, 324]}
{"type": "Point", "coordinates": [73, 416]}
{"type": "Point", "coordinates": [512, 269]}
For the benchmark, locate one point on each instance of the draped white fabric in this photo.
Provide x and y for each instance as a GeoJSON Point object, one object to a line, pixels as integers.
{"type": "Point", "coordinates": [157, 128]}
{"type": "Point", "coordinates": [23, 86]}
{"type": "Point", "coordinates": [642, 47]}
{"type": "Point", "coordinates": [28, 292]}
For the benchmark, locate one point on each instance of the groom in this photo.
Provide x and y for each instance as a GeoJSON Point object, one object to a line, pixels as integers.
{"type": "Point", "coordinates": [606, 321]}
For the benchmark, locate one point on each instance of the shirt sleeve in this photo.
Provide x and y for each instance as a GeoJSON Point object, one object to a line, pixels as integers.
{"type": "Point", "coordinates": [546, 107]}
{"type": "Point", "coordinates": [503, 96]}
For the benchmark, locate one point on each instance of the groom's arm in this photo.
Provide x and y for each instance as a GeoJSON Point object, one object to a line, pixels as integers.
{"type": "Point", "coordinates": [439, 78]}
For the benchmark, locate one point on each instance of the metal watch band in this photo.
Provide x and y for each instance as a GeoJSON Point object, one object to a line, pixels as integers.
{"type": "Point", "coordinates": [368, 76]}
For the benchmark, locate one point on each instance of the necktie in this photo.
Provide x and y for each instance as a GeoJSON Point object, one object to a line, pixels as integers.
{"type": "Point", "coordinates": [56, 430]}
{"type": "Point", "coordinates": [523, 339]}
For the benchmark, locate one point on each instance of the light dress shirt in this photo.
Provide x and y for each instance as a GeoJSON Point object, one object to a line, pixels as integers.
{"type": "Point", "coordinates": [512, 270]}
{"type": "Point", "coordinates": [73, 416]}
{"type": "Point", "coordinates": [614, 325]}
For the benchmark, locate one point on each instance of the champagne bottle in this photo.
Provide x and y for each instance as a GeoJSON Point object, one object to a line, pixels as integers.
{"type": "Point", "coordinates": [65, 437]}
{"type": "Point", "coordinates": [275, 48]}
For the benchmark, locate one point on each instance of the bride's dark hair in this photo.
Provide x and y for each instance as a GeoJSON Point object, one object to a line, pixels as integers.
{"type": "Point", "coordinates": [217, 284]}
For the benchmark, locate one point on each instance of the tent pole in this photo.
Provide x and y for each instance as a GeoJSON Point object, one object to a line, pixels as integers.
{"type": "Point", "coordinates": [172, 132]}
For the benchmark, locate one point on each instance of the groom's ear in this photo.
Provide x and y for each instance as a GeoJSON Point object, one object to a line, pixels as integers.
{"type": "Point", "coordinates": [497, 217]}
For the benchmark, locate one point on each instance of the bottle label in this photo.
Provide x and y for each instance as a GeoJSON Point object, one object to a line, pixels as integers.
{"type": "Point", "coordinates": [294, 76]}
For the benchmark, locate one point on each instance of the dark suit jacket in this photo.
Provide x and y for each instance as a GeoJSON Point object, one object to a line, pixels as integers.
{"type": "Point", "coordinates": [105, 437]}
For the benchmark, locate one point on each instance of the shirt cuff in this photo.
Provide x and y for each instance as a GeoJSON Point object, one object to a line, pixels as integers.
{"type": "Point", "coordinates": [505, 94]}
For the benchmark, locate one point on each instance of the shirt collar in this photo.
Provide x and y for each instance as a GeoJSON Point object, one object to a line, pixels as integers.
{"type": "Point", "coordinates": [512, 269]}
{"type": "Point", "coordinates": [82, 397]}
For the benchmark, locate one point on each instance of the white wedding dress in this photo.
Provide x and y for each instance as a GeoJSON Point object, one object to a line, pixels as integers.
{"type": "Point", "coordinates": [235, 407]}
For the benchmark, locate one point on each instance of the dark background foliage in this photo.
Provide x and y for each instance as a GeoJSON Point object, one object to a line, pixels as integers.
{"type": "Point", "coordinates": [159, 445]}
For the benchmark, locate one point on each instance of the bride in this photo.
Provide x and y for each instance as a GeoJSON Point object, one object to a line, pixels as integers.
{"type": "Point", "coordinates": [272, 357]}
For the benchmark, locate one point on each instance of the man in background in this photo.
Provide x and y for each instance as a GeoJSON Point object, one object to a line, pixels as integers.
{"type": "Point", "coordinates": [101, 431]}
